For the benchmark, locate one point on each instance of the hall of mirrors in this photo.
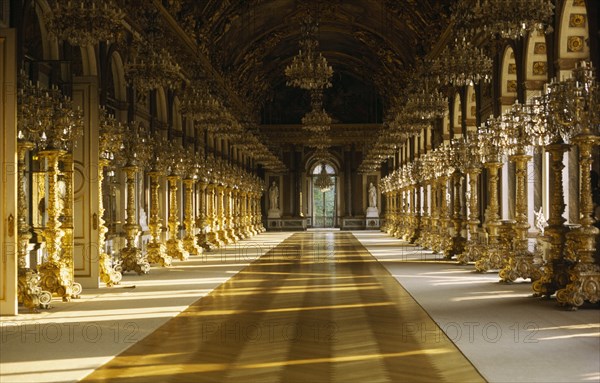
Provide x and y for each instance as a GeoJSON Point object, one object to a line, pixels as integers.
{"type": "Point", "coordinates": [141, 144]}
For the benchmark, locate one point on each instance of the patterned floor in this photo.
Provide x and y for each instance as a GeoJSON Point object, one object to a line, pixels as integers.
{"type": "Point", "coordinates": [317, 308]}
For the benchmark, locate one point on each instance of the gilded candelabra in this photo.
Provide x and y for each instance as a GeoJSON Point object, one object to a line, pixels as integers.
{"type": "Point", "coordinates": [135, 155]}
{"type": "Point", "coordinates": [384, 214]}
{"type": "Point", "coordinates": [426, 175]}
{"type": "Point", "coordinates": [202, 220]}
{"type": "Point", "coordinates": [230, 212]}
{"type": "Point", "coordinates": [582, 109]}
{"type": "Point", "coordinates": [456, 241]}
{"type": "Point", "coordinates": [560, 129]}
{"type": "Point", "coordinates": [156, 249]}
{"type": "Point", "coordinates": [67, 220]}
{"type": "Point", "coordinates": [518, 138]}
{"type": "Point", "coordinates": [491, 153]}
{"type": "Point", "coordinates": [110, 141]}
{"type": "Point", "coordinates": [176, 168]}
{"type": "Point", "coordinates": [471, 165]}
{"type": "Point", "coordinates": [258, 214]}
{"type": "Point", "coordinates": [34, 108]}
{"type": "Point", "coordinates": [57, 142]}
{"type": "Point", "coordinates": [213, 240]}
{"type": "Point", "coordinates": [30, 294]}
{"type": "Point", "coordinates": [417, 206]}
{"type": "Point", "coordinates": [191, 178]}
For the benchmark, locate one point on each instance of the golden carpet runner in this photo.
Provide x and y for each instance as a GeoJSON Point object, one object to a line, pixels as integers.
{"type": "Point", "coordinates": [317, 308]}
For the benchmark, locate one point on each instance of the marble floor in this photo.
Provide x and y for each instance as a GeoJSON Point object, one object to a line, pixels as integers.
{"type": "Point", "coordinates": [318, 306]}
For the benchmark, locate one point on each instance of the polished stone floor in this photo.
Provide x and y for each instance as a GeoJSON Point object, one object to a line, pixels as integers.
{"type": "Point", "coordinates": [316, 308]}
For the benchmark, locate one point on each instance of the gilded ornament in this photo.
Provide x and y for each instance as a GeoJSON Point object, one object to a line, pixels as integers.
{"type": "Point", "coordinates": [574, 43]}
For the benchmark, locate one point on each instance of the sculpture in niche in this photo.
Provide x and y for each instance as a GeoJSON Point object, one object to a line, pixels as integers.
{"type": "Point", "coordinates": [372, 195]}
{"type": "Point", "coordinates": [274, 196]}
{"type": "Point", "coordinates": [274, 211]}
{"type": "Point", "coordinates": [372, 211]}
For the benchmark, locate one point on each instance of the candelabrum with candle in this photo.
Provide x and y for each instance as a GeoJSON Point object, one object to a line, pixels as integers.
{"type": "Point", "coordinates": [386, 188]}
{"type": "Point", "coordinates": [32, 115]}
{"type": "Point", "coordinates": [134, 157]}
{"type": "Point", "coordinates": [581, 108]}
{"type": "Point", "coordinates": [156, 250]}
{"type": "Point", "coordinates": [409, 179]}
{"type": "Point", "coordinates": [258, 195]}
{"type": "Point", "coordinates": [471, 165]}
{"type": "Point", "coordinates": [110, 142]}
{"type": "Point", "coordinates": [458, 159]}
{"type": "Point", "coordinates": [426, 176]}
{"type": "Point", "coordinates": [175, 169]}
{"type": "Point", "coordinates": [383, 185]}
{"type": "Point", "coordinates": [56, 143]}
{"type": "Point", "coordinates": [229, 186]}
{"type": "Point", "coordinates": [401, 202]}
{"type": "Point", "coordinates": [190, 178]}
{"type": "Point", "coordinates": [443, 169]}
{"type": "Point", "coordinates": [203, 217]}
{"type": "Point", "coordinates": [415, 191]}
{"type": "Point", "coordinates": [518, 137]}
{"type": "Point", "coordinates": [555, 269]}
{"type": "Point", "coordinates": [212, 226]}
{"type": "Point", "coordinates": [237, 193]}
{"type": "Point", "coordinates": [492, 153]}
{"type": "Point", "coordinates": [419, 199]}
{"type": "Point", "coordinates": [397, 205]}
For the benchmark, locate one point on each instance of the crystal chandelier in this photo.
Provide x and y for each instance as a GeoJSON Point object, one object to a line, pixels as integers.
{"type": "Point", "coordinates": [208, 112]}
{"type": "Point", "coordinates": [35, 110]}
{"type": "Point", "coordinates": [424, 100]}
{"type": "Point", "coordinates": [110, 133]}
{"type": "Point", "coordinates": [47, 118]}
{"type": "Point", "coordinates": [309, 69]}
{"type": "Point", "coordinates": [462, 64]}
{"type": "Point", "coordinates": [137, 148]}
{"type": "Point", "coordinates": [200, 105]}
{"type": "Point", "coordinates": [324, 181]}
{"type": "Point", "coordinates": [425, 104]}
{"type": "Point", "coordinates": [513, 19]}
{"type": "Point", "coordinates": [151, 69]}
{"type": "Point", "coordinates": [66, 127]}
{"type": "Point", "coordinates": [316, 121]}
{"type": "Point", "coordinates": [85, 22]}
{"type": "Point", "coordinates": [574, 104]}
{"type": "Point", "coordinates": [491, 141]}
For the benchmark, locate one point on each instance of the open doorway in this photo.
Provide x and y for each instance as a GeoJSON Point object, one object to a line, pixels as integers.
{"type": "Point", "coordinates": [323, 196]}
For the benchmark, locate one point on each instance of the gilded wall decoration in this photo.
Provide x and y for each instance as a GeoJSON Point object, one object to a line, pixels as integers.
{"type": "Point", "coordinates": [575, 44]}
{"type": "Point", "coordinates": [539, 48]}
{"type": "Point", "coordinates": [512, 68]}
{"type": "Point", "coordinates": [577, 20]}
{"type": "Point", "coordinates": [511, 86]}
{"type": "Point", "coordinates": [540, 68]}
{"type": "Point", "coordinates": [579, 3]}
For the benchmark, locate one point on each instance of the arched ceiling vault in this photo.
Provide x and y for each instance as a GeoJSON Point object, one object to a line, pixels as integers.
{"type": "Point", "coordinates": [250, 42]}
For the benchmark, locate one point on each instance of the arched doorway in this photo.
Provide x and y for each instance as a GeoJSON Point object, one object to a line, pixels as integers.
{"type": "Point", "coordinates": [323, 185]}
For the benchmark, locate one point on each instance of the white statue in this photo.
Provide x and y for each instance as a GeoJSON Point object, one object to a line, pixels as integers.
{"type": "Point", "coordinates": [540, 220]}
{"type": "Point", "coordinates": [273, 196]}
{"type": "Point", "coordinates": [372, 195]}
